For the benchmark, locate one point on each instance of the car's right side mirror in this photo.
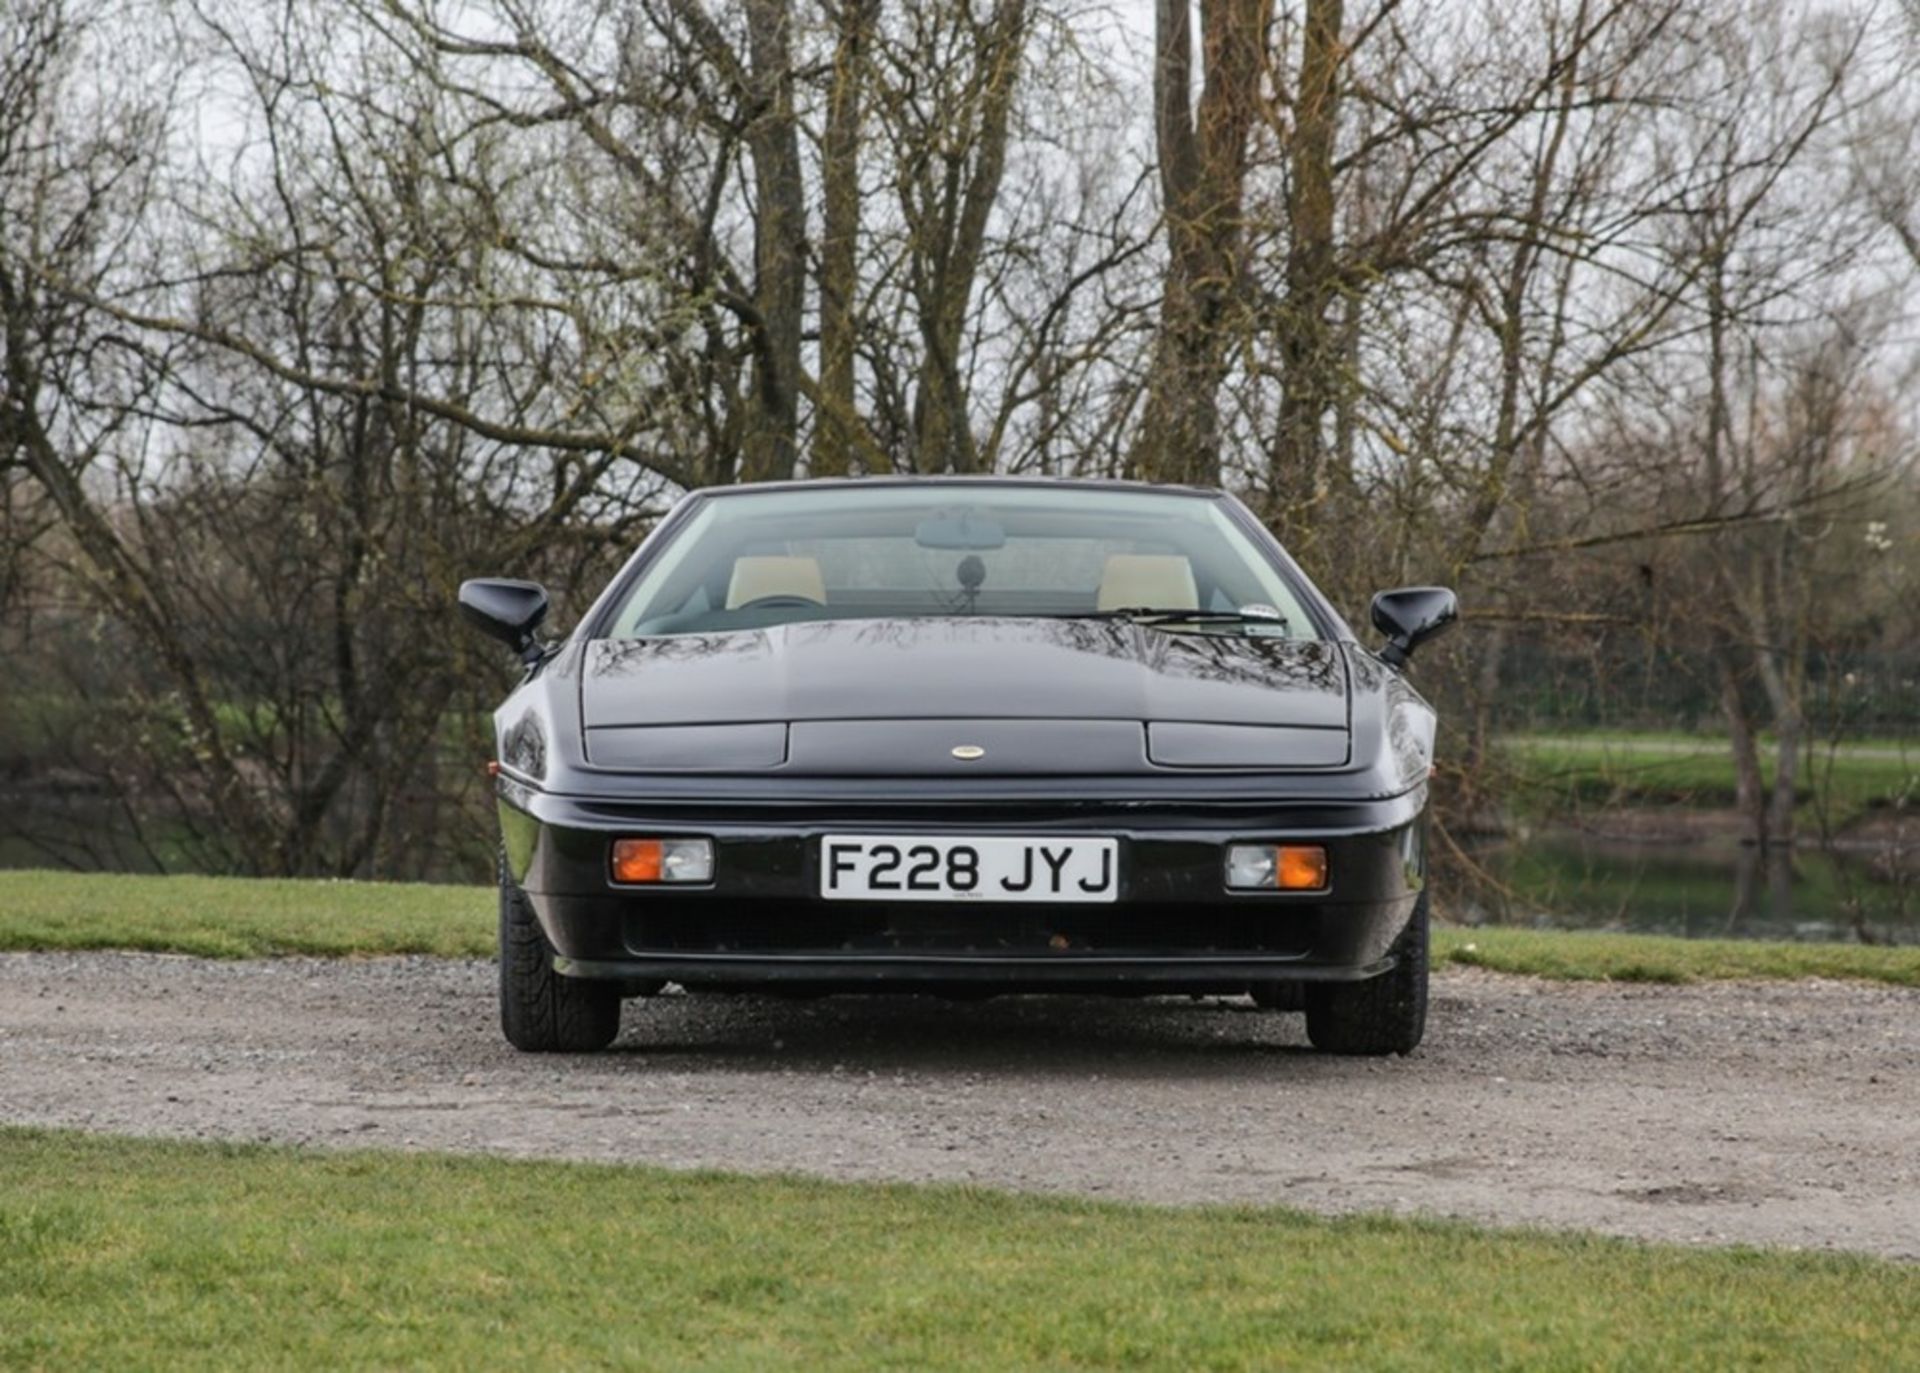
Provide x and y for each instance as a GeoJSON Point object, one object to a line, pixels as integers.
{"type": "Point", "coordinates": [1410, 616]}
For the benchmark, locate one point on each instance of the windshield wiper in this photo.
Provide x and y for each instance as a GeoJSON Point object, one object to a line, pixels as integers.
{"type": "Point", "coordinates": [1157, 615]}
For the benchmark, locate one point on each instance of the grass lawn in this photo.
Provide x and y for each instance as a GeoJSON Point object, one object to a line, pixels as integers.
{"type": "Point", "coordinates": [1567, 770]}
{"type": "Point", "coordinates": [1694, 740]}
{"type": "Point", "coordinates": [1582, 956]}
{"type": "Point", "coordinates": [241, 917]}
{"type": "Point", "coordinates": [127, 1253]}
{"type": "Point", "coordinates": [238, 917]}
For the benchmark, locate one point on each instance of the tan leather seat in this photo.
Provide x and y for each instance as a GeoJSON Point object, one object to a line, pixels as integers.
{"type": "Point", "coordinates": [760, 575]}
{"type": "Point", "coordinates": [1159, 581]}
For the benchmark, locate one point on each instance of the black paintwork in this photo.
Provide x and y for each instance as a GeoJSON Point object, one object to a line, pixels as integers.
{"type": "Point", "coordinates": [954, 667]}
{"type": "Point", "coordinates": [766, 739]}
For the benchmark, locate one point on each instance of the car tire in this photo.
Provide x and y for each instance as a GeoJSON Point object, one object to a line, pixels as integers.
{"type": "Point", "coordinates": [542, 1012]}
{"type": "Point", "coordinates": [1383, 1015]}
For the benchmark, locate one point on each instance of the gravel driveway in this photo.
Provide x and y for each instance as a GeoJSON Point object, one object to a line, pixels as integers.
{"type": "Point", "coordinates": [1780, 1114]}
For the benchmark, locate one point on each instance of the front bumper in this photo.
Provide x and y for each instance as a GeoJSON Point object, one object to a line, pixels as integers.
{"type": "Point", "coordinates": [761, 921]}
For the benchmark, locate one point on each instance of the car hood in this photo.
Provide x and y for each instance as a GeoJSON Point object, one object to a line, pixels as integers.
{"type": "Point", "coordinates": [905, 669]}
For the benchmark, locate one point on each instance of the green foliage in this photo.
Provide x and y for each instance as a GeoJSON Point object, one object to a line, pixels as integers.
{"type": "Point", "coordinates": [141, 1253]}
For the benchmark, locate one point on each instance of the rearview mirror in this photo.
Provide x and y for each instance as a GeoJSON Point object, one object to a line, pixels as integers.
{"type": "Point", "coordinates": [1410, 616]}
{"type": "Point", "coordinates": [960, 529]}
{"type": "Point", "coordinates": [508, 610]}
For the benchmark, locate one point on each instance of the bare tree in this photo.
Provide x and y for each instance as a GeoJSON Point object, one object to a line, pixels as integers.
{"type": "Point", "coordinates": [1571, 302]}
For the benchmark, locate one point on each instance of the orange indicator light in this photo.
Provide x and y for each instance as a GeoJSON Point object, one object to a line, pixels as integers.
{"type": "Point", "coordinates": [1301, 867]}
{"type": "Point", "coordinates": [636, 860]}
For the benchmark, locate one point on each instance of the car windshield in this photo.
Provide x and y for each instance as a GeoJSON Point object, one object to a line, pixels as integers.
{"type": "Point", "coordinates": [751, 559]}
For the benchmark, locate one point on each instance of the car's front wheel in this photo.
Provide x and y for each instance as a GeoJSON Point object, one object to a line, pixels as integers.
{"type": "Point", "coordinates": [540, 1011]}
{"type": "Point", "coordinates": [1383, 1015]}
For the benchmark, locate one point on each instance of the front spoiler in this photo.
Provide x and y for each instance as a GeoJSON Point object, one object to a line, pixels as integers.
{"type": "Point", "coordinates": [1037, 971]}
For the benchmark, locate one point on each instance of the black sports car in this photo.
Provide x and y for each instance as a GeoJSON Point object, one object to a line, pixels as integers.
{"type": "Point", "coordinates": [966, 736]}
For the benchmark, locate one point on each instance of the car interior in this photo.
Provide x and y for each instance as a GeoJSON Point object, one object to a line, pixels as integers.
{"type": "Point", "coordinates": [975, 561]}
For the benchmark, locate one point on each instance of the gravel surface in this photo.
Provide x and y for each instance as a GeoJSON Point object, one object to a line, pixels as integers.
{"type": "Point", "coordinates": [1776, 1113]}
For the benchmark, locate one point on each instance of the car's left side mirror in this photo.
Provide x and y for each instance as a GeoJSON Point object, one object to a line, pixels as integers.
{"type": "Point", "coordinates": [508, 610]}
{"type": "Point", "coordinates": [1410, 616]}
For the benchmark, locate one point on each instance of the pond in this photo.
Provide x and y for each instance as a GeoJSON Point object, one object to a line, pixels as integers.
{"type": "Point", "coordinates": [1700, 888]}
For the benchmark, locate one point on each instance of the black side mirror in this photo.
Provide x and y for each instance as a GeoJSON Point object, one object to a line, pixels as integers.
{"type": "Point", "coordinates": [506, 609]}
{"type": "Point", "coordinates": [1411, 616]}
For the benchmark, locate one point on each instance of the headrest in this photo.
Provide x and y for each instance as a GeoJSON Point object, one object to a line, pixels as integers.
{"type": "Point", "coordinates": [1161, 581]}
{"type": "Point", "coordinates": [775, 575]}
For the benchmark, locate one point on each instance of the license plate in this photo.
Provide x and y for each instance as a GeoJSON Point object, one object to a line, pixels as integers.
{"type": "Point", "coordinates": [881, 867]}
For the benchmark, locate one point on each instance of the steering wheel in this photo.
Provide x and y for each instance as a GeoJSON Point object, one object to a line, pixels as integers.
{"type": "Point", "coordinates": [778, 600]}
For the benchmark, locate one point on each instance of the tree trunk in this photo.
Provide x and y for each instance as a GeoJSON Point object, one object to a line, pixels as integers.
{"type": "Point", "coordinates": [1782, 685]}
{"type": "Point", "coordinates": [1750, 796]}
{"type": "Point", "coordinates": [1203, 169]}
{"type": "Point", "coordinates": [836, 416]}
{"type": "Point", "coordinates": [955, 195]}
{"type": "Point", "coordinates": [1308, 343]}
{"type": "Point", "coordinates": [779, 244]}
{"type": "Point", "coordinates": [1749, 787]}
